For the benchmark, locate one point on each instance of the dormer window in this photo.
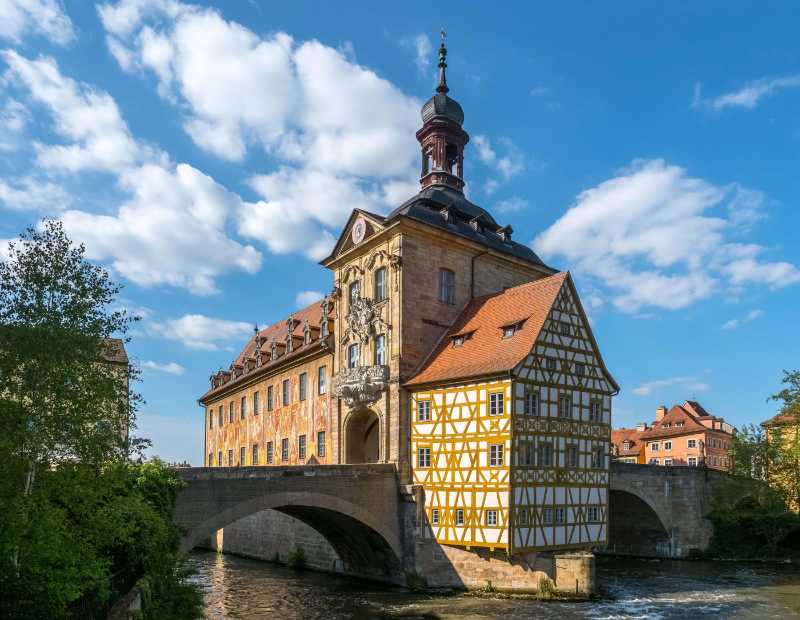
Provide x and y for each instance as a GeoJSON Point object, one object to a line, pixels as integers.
{"type": "Point", "coordinates": [627, 444]}
{"type": "Point", "coordinates": [306, 333]}
{"type": "Point", "coordinates": [458, 341]}
{"type": "Point", "coordinates": [508, 331]}
{"type": "Point", "coordinates": [323, 328]}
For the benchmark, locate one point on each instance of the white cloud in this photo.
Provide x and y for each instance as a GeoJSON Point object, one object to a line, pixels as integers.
{"type": "Point", "coordinates": [339, 131]}
{"type": "Point", "coordinates": [507, 166]}
{"type": "Point", "coordinates": [306, 298]}
{"type": "Point", "coordinates": [152, 239]}
{"type": "Point", "coordinates": [171, 231]}
{"type": "Point", "coordinates": [13, 119]}
{"type": "Point", "coordinates": [171, 368]}
{"type": "Point", "coordinates": [90, 119]}
{"type": "Point", "coordinates": [423, 49]}
{"type": "Point", "coordinates": [44, 17]}
{"type": "Point", "coordinates": [656, 237]}
{"type": "Point", "coordinates": [540, 91]}
{"type": "Point", "coordinates": [690, 383]}
{"type": "Point", "coordinates": [748, 96]}
{"type": "Point", "coordinates": [196, 331]}
{"type": "Point", "coordinates": [30, 193]}
{"type": "Point", "coordinates": [511, 205]}
{"type": "Point", "coordinates": [734, 323]}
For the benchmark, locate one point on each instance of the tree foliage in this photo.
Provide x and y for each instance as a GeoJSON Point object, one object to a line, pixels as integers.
{"type": "Point", "coordinates": [81, 522]}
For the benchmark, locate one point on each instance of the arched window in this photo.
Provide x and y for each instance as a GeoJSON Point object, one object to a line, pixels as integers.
{"type": "Point", "coordinates": [447, 286]}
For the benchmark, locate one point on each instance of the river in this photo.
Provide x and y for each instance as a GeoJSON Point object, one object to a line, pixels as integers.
{"type": "Point", "coordinates": [241, 588]}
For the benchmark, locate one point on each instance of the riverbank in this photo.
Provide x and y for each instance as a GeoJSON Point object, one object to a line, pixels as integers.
{"type": "Point", "coordinates": [240, 588]}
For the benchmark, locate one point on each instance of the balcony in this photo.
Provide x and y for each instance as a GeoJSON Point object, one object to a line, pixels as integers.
{"type": "Point", "coordinates": [362, 385]}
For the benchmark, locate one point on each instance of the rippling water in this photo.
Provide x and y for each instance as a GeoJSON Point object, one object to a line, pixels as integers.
{"type": "Point", "coordinates": [240, 588]}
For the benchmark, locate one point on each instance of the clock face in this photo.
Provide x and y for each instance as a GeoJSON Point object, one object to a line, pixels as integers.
{"type": "Point", "coordinates": [359, 229]}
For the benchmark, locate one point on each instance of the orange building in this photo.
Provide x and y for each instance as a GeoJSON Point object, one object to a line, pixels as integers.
{"type": "Point", "coordinates": [683, 435]}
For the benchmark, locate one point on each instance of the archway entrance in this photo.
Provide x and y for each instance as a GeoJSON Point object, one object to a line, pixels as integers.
{"type": "Point", "coordinates": [362, 437]}
{"type": "Point", "coordinates": [635, 528]}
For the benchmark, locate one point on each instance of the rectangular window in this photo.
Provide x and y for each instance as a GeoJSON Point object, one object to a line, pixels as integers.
{"type": "Point", "coordinates": [242, 456]}
{"type": "Point", "coordinates": [435, 516]}
{"type": "Point", "coordinates": [653, 462]}
{"type": "Point", "coordinates": [571, 456]}
{"type": "Point", "coordinates": [532, 403]}
{"type": "Point", "coordinates": [595, 411]}
{"type": "Point", "coordinates": [303, 385]}
{"type": "Point", "coordinates": [447, 286]}
{"type": "Point", "coordinates": [496, 455]}
{"type": "Point", "coordinates": [654, 446]}
{"type": "Point", "coordinates": [230, 457]}
{"type": "Point", "coordinates": [423, 411]}
{"type": "Point", "coordinates": [256, 403]}
{"type": "Point", "coordinates": [580, 369]}
{"type": "Point", "coordinates": [423, 457]}
{"type": "Point", "coordinates": [491, 518]}
{"type": "Point", "coordinates": [598, 458]}
{"type": "Point", "coordinates": [667, 461]}
{"type": "Point", "coordinates": [564, 406]}
{"type": "Point", "coordinates": [221, 417]}
{"type": "Point", "coordinates": [210, 459]}
{"type": "Point", "coordinates": [508, 331]}
{"type": "Point", "coordinates": [667, 445]}
{"type": "Point", "coordinates": [691, 443]}
{"type": "Point", "coordinates": [210, 419]}
{"type": "Point", "coordinates": [565, 329]}
{"type": "Point", "coordinates": [352, 355]}
{"type": "Point", "coordinates": [380, 284]}
{"type": "Point", "coordinates": [255, 454]}
{"type": "Point", "coordinates": [560, 514]}
{"type": "Point", "coordinates": [693, 461]}
{"type": "Point", "coordinates": [285, 389]}
{"type": "Point", "coordinates": [550, 363]}
{"type": "Point", "coordinates": [545, 454]}
{"type": "Point", "coordinates": [243, 407]}
{"type": "Point", "coordinates": [230, 412]}
{"type": "Point", "coordinates": [496, 403]}
{"type": "Point", "coordinates": [593, 514]}
{"type": "Point", "coordinates": [270, 453]}
{"type": "Point", "coordinates": [354, 292]}
{"type": "Point", "coordinates": [526, 453]}
{"type": "Point", "coordinates": [460, 516]}
{"type": "Point", "coordinates": [547, 515]}
{"type": "Point", "coordinates": [284, 449]}
{"type": "Point", "coordinates": [522, 516]}
{"type": "Point", "coordinates": [301, 447]}
{"type": "Point", "coordinates": [321, 443]}
{"type": "Point", "coordinates": [270, 402]}
{"type": "Point", "coordinates": [322, 388]}
{"type": "Point", "coordinates": [380, 350]}
{"type": "Point", "coordinates": [219, 458]}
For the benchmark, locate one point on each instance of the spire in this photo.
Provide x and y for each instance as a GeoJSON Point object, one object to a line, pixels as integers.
{"type": "Point", "coordinates": [442, 87]}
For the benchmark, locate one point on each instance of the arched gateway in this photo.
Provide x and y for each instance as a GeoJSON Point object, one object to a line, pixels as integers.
{"type": "Point", "coordinates": [362, 437]}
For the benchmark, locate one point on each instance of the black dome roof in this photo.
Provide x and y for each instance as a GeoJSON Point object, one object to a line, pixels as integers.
{"type": "Point", "coordinates": [442, 105]}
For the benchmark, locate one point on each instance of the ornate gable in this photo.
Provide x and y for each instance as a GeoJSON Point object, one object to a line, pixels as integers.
{"type": "Point", "coordinates": [360, 226]}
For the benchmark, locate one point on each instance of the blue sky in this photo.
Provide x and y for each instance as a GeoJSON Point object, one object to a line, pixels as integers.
{"type": "Point", "coordinates": [208, 154]}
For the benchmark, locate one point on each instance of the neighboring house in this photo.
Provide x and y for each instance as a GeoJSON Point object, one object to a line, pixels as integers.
{"type": "Point", "coordinates": [684, 435]}
{"type": "Point", "coordinates": [785, 427]}
{"type": "Point", "coordinates": [115, 356]}
{"type": "Point", "coordinates": [627, 445]}
{"type": "Point", "coordinates": [446, 348]}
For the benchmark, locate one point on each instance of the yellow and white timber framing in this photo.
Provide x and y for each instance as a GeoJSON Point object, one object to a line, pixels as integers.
{"type": "Point", "coordinates": [551, 491]}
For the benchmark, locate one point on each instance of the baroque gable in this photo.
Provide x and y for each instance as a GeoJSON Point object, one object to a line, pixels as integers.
{"type": "Point", "coordinates": [360, 226]}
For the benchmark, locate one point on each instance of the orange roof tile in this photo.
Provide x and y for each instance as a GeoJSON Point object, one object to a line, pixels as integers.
{"type": "Point", "coordinates": [784, 417]}
{"type": "Point", "coordinates": [486, 352]}
{"type": "Point", "coordinates": [667, 426]}
{"type": "Point", "coordinates": [620, 435]}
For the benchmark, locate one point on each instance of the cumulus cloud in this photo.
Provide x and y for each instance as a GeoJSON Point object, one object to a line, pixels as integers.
{"type": "Point", "coordinates": [511, 205]}
{"type": "Point", "coordinates": [33, 194]}
{"type": "Point", "coordinates": [306, 298]}
{"type": "Point", "coordinates": [152, 239]}
{"type": "Point", "coordinates": [171, 368]}
{"type": "Point", "coordinates": [423, 50]}
{"type": "Point", "coordinates": [339, 131]}
{"type": "Point", "coordinates": [734, 323]}
{"type": "Point", "coordinates": [691, 383]}
{"type": "Point", "coordinates": [14, 118]}
{"type": "Point", "coordinates": [43, 17]}
{"type": "Point", "coordinates": [748, 97]}
{"type": "Point", "coordinates": [508, 165]}
{"type": "Point", "coordinates": [89, 119]}
{"type": "Point", "coordinates": [196, 331]}
{"type": "Point", "coordinates": [654, 236]}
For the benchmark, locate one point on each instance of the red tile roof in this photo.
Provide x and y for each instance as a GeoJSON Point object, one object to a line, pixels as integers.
{"type": "Point", "coordinates": [620, 435]}
{"type": "Point", "coordinates": [667, 426]}
{"type": "Point", "coordinates": [113, 350]}
{"type": "Point", "coordinates": [486, 352]}
{"type": "Point", "coordinates": [784, 417]}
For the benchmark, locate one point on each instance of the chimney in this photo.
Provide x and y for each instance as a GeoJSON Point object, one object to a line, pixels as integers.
{"type": "Point", "coordinates": [660, 413]}
{"type": "Point", "coordinates": [641, 427]}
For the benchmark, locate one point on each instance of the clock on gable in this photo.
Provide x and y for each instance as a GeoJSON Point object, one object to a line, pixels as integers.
{"type": "Point", "coordinates": [359, 230]}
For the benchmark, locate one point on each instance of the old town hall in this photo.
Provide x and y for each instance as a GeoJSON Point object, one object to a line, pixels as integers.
{"type": "Point", "coordinates": [447, 348]}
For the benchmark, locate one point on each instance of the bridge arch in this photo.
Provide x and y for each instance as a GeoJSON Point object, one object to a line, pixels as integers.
{"type": "Point", "coordinates": [635, 526]}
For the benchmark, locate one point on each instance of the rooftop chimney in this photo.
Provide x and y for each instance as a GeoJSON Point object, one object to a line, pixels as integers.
{"type": "Point", "coordinates": [660, 413]}
{"type": "Point", "coordinates": [641, 427]}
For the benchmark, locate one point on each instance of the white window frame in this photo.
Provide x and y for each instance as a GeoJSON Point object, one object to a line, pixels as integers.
{"type": "Point", "coordinates": [497, 403]}
{"type": "Point", "coordinates": [491, 518]}
{"type": "Point", "coordinates": [691, 443]}
{"type": "Point", "coordinates": [496, 455]}
{"type": "Point", "coordinates": [380, 284]}
{"type": "Point", "coordinates": [532, 403]}
{"type": "Point", "coordinates": [593, 514]}
{"type": "Point", "coordinates": [654, 446]}
{"type": "Point", "coordinates": [667, 446]}
{"type": "Point", "coordinates": [692, 461]}
{"type": "Point", "coordinates": [434, 516]}
{"type": "Point", "coordinates": [447, 286]}
{"type": "Point", "coordinates": [547, 516]}
{"type": "Point", "coordinates": [353, 353]}
{"type": "Point", "coordinates": [380, 350]}
{"type": "Point", "coordinates": [460, 516]}
{"type": "Point", "coordinates": [565, 410]}
{"type": "Point", "coordinates": [322, 383]}
{"type": "Point", "coordinates": [285, 450]}
{"type": "Point", "coordinates": [423, 457]}
{"type": "Point", "coordinates": [321, 443]}
{"type": "Point", "coordinates": [303, 385]}
{"type": "Point", "coordinates": [286, 392]}
{"type": "Point", "coordinates": [301, 447]}
{"type": "Point", "coordinates": [424, 410]}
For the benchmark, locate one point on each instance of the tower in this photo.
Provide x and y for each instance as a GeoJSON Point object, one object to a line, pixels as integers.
{"type": "Point", "coordinates": [441, 137]}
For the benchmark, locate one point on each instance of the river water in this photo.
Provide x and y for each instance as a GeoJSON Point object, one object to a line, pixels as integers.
{"type": "Point", "coordinates": [241, 588]}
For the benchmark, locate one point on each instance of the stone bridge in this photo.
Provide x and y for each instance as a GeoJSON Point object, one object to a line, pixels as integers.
{"type": "Point", "coordinates": [356, 508]}
{"type": "Point", "coordinates": [659, 511]}
{"type": "Point", "coordinates": [370, 521]}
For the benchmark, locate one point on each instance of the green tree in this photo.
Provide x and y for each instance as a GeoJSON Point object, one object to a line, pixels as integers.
{"type": "Point", "coordinates": [750, 452]}
{"type": "Point", "coordinates": [784, 440]}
